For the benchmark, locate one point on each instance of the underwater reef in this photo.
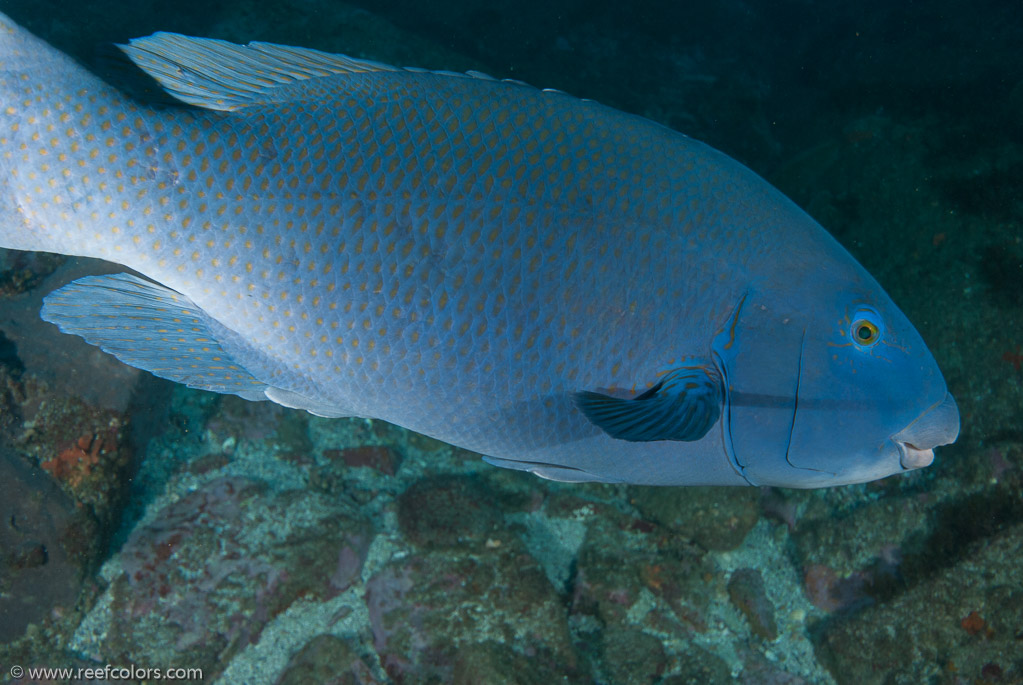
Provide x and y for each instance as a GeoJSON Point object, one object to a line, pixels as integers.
{"type": "Point", "coordinates": [145, 523]}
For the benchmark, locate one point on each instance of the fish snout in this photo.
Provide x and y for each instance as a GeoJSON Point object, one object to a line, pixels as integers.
{"type": "Point", "coordinates": [939, 425]}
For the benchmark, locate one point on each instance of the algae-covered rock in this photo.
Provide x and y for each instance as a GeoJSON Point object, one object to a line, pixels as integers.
{"type": "Point", "coordinates": [746, 590]}
{"type": "Point", "coordinates": [492, 663]}
{"type": "Point", "coordinates": [202, 579]}
{"type": "Point", "coordinates": [699, 667]}
{"type": "Point", "coordinates": [865, 535]}
{"type": "Point", "coordinates": [47, 545]}
{"type": "Point", "coordinates": [714, 518]}
{"type": "Point", "coordinates": [963, 624]}
{"type": "Point", "coordinates": [446, 511]}
{"type": "Point", "coordinates": [426, 610]}
{"type": "Point", "coordinates": [624, 561]}
{"type": "Point", "coordinates": [632, 656]}
{"type": "Point", "coordinates": [327, 660]}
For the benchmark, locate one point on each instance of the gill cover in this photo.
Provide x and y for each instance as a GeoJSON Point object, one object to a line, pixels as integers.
{"type": "Point", "coordinates": [758, 353]}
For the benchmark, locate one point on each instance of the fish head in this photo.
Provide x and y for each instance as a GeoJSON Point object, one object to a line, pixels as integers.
{"type": "Point", "coordinates": [829, 386]}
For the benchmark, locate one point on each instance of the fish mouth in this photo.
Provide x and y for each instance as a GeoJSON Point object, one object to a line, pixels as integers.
{"type": "Point", "coordinates": [912, 457]}
{"type": "Point", "coordinates": [938, 425]}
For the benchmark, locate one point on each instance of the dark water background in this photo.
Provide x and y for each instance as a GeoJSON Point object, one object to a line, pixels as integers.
{"type": "Point", "coordinates": [151, 525]}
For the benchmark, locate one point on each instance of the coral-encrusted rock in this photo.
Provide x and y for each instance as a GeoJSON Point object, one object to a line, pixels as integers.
{"type": "Point", "coordinates": [426, 610]}
{"type": "Point", "coordinates": [714, 518]}
{"type": "Point", "coordinates": [697, 667]}
{"type": "Point", "coordinates": [632, 656]}
{"type": "Point", "coordinates": [759, 670]}
{"type": "Point", "coordinates": [447, 511]}
{"type": "Point", "coordinates": [488, 662]}
{"type": "Point", "coordinates": [87, 450]}
{"type": "Point", "coordinates": [327, 660]}
{"type": "Point", "coordinates": [916, 636]}
{"type": "Point", "coordinates": [202, 579]}
{"type": "Point", "coordinates": [377, 457]}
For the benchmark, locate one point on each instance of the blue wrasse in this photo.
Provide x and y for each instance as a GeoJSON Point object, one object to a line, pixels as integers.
{"type": "Point", "coordinates": [567, 289]}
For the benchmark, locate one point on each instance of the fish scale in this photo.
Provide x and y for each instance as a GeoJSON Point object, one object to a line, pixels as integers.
{"type": "Point", "coordinates": [512, 270]}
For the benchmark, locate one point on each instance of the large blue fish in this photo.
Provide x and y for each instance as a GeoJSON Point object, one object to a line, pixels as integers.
{"type": "Point", "coordinates": [567, 289]}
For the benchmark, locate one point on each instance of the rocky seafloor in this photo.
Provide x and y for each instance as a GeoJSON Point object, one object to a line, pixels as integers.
{"type": "Point", "coordinates": [144, 523]}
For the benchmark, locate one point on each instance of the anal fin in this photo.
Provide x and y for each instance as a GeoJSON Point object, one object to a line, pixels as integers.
{"type": "Point", "coordinates": [294, 400]}
{"type": "Point", "coordinates": [556, 472]}
{"type": "Point", "coordinates": [150, 327]}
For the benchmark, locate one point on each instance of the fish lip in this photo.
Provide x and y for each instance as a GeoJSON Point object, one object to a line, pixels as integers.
{"type": "Point", "coordinates": [935, 426]}
{"type": "Point", "coordinates": [911, 457]}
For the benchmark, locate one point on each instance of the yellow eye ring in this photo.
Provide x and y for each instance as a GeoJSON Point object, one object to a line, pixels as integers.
{"type": "Point", "coordinates": [865, 332]}
{"type": "Point", "coordinates": [867, 327]}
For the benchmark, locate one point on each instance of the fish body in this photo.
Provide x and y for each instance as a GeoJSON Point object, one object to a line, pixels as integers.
{"type": "Point", "coordinates": [562, 287]}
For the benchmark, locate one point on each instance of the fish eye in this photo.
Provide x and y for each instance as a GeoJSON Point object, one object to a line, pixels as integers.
{"type": "Point", "coordinates": [866, 328]}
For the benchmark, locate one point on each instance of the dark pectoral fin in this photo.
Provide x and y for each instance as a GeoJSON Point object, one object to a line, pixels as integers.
{"type": "Point", "coordinates": [683, 406]}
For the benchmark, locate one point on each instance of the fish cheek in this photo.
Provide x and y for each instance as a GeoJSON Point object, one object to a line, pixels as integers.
{"type": "Point", "coordinates": [842, 427]}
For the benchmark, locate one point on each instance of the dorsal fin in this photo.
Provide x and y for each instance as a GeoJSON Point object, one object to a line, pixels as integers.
{"type": "Point", "coordinates": [216, 74]}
